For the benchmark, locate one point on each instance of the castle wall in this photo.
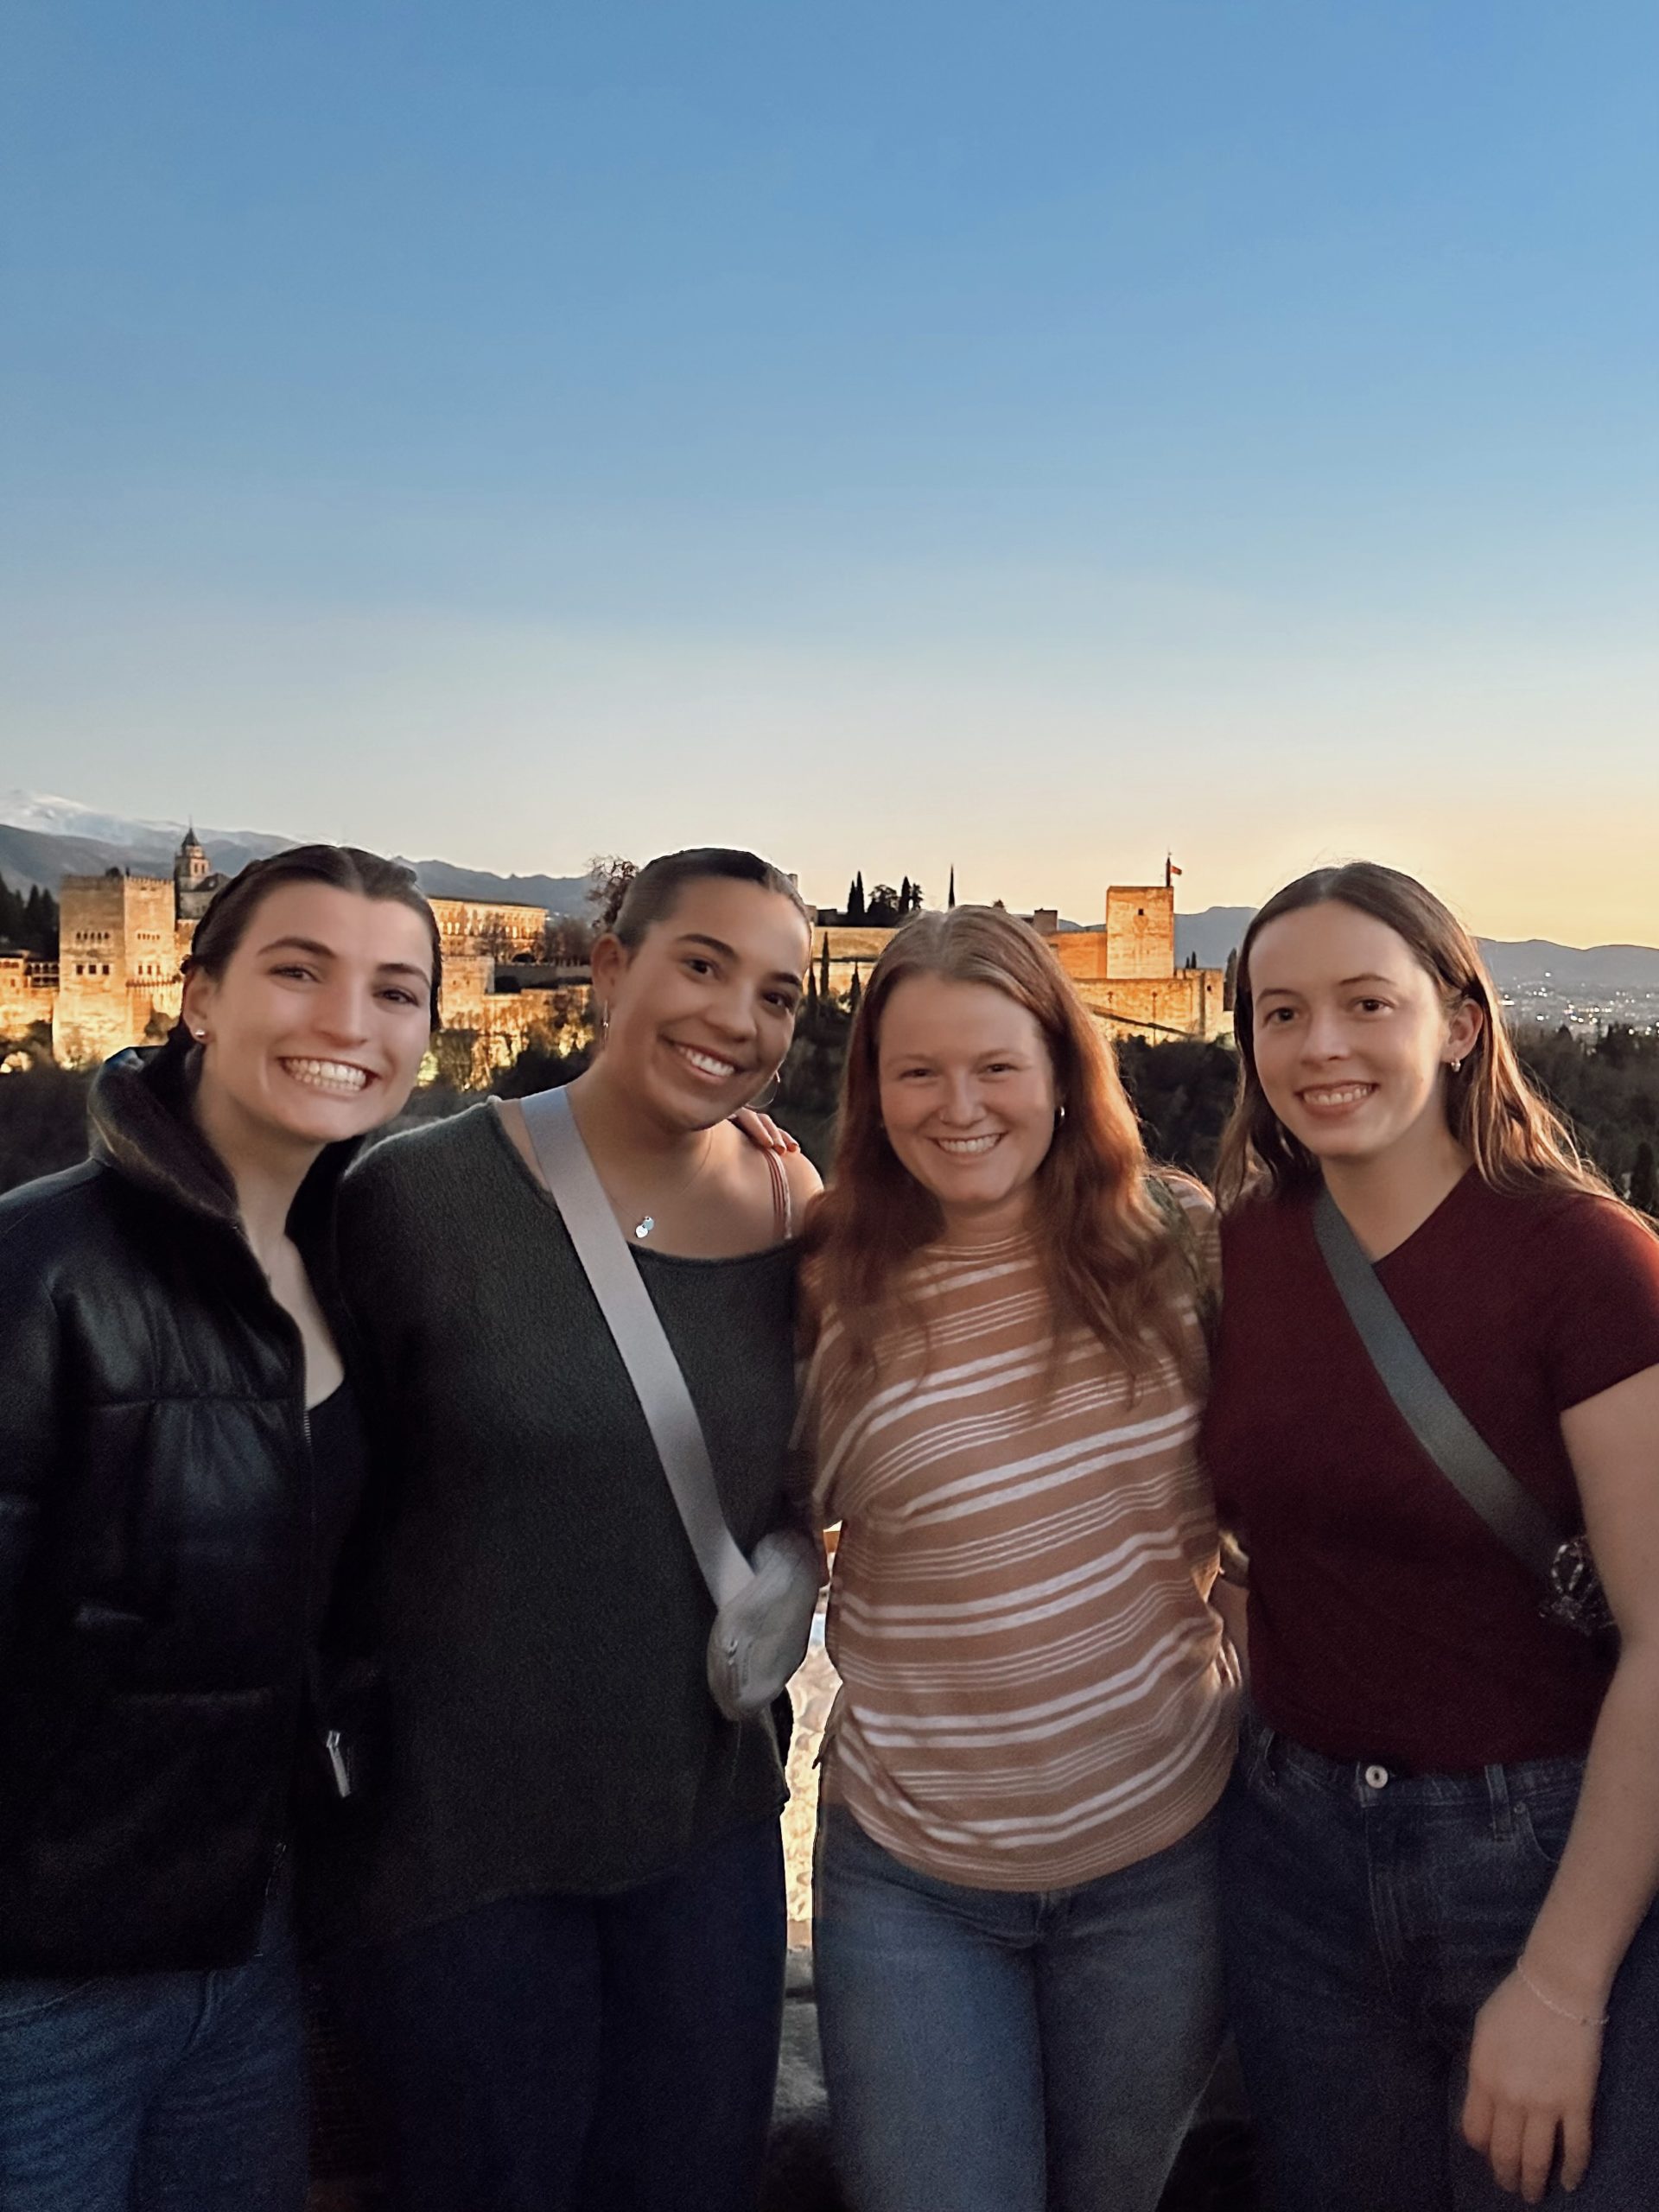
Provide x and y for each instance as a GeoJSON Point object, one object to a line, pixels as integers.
{"type": "Point", "coordinates": [117, 965]}
{"type": "Point", "coordinates": [28, 993]}
{"type": "Point", "coordinates": [1185, 1004]}
{"type": "Point", "coordinates": [485, 1030]}
{"type": "Point", "coordinates": [467, 926]}
{"type": "Point", "coordinates": [850, 949]}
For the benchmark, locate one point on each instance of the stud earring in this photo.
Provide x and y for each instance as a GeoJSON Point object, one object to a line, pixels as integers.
{"type": "Point", "coordinates": [1059, 1113]}
{"type": "Point", "coordinates": [1455, 1065]}
{"type": "Point", "coordinates": [201, 1036]}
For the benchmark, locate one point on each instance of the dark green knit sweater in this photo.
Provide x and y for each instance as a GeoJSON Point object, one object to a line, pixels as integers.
{"type": "Point", "coordinates": [544, 1619]}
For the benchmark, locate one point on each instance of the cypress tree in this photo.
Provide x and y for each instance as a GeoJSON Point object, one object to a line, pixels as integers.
{"type": "Point", "coordinates": [1229, 983]}
{"type": "Point", "coordinates": [855, 898]}
{"type": "Point", "coordinates": [823, 971]}
{"type": "Point", "coordinates": [904, 896]}
{"type": "Point", "coordinates": [856, 991]}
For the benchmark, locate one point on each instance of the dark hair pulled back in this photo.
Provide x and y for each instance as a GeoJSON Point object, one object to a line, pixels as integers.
{"type": "Point", "coordinates": [652, 894]}
{"type": "Point", "coordinates": [341, 868]}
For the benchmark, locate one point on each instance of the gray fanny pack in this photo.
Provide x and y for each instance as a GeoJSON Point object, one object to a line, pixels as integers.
{"type": "Point", "coordinates": [763, 1606]}
{"type": "Point", "coordinates": [1562, 1564]}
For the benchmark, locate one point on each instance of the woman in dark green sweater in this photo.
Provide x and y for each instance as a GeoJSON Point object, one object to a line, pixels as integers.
{"type": "Point", "coordinates": [571, 1892]}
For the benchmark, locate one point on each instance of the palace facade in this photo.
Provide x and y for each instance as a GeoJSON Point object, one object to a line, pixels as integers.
{"type": "Point", "coordinates": [122, 938]}
{"type": "Point", "coordinates": [1125, 971]}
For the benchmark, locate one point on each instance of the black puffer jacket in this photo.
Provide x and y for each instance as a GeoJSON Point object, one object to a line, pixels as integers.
{"type": "Point", "coordinates": [157, 1519]}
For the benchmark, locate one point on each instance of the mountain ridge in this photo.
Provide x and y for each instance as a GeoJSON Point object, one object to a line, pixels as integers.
{"type": "Point", "coordinates": [32, 852]}
{"type": "Point", "coordinates": [43, 838]}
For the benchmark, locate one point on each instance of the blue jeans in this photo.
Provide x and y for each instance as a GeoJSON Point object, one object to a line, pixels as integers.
{"type": "Point", "coordinates": [155, 2092]}
{"type": "Point", "coordinates": [997, 2050]}
{"type": "Point", "coordinates": [1366, 1922]}
{"type": "Point", "coordinates": [617, 2053]}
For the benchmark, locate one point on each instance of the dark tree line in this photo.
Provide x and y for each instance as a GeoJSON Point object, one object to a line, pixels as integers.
{"type": "Point", "coordinates": [1606, 1087]}
{"type": "Point", "coordinates": [884, 907]}
{"type": "Point", "coordinates": [29, 924]}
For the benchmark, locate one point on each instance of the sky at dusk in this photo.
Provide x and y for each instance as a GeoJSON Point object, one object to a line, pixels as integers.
{"type": "Point", "coordinates": [1028, 438]}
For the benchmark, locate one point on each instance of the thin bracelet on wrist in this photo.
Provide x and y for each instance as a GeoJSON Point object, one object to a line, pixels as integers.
{"type": "Point", "coordinates": [1561, 2012]}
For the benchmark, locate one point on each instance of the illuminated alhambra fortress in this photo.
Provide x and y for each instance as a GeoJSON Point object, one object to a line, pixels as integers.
{"type": "Point", "coordinates": [120, 938]}
{"type": "Point", "coordinates": [116, 981]}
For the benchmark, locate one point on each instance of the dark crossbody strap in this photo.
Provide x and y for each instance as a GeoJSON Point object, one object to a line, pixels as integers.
{"type": "Point", "coordinates": [1434, 1416]}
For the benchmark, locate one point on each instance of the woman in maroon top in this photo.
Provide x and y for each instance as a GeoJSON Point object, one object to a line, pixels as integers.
{"type": "Point", "coordinates": [1442, 1841]}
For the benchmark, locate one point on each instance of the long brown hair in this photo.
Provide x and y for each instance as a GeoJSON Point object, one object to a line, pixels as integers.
{"type": "Point", "coordinates": [1110, 1264]}
{"type": "Point", "coordinates": [1515, 1139]}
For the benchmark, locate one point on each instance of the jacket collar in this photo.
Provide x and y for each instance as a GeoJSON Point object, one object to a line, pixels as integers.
{"type": "Point", "coordinates": [141, 1126]}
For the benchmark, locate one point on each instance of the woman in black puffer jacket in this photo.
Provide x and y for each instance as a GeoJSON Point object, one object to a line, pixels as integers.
{"type": "Point", "coordinates": [180, 1459]}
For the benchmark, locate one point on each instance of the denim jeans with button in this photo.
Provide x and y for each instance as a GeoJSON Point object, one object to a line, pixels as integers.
{"type": "Point", "coordinates": [155, 2092]}
{"type": "Point", "coordinates": [1000, 2050]}
{"type": "Point", "coordinates": [1368, 1916]}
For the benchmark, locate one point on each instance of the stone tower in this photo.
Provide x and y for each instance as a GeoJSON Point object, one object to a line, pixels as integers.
{"type": "Point", "coordinates": [117, 965]}
{"type": "Point", "coordinates": [194, 881]}
{"type": "Point", "coordinates": [1140, 932]}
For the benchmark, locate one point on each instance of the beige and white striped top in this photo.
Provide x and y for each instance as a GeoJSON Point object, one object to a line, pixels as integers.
{"type": "Point", "coordinates": [1036, 1690]}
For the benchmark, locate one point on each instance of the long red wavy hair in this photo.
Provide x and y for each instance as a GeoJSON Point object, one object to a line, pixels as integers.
{"type": "Point", "coordinates": [1111, 1263]}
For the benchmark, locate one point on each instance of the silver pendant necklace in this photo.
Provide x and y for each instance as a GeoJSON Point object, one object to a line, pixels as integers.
{"type": "Point", "coordinates": [647, 1222]}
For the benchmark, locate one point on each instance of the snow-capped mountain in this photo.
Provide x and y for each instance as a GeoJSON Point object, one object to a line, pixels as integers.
{"type": "Point", "coordinates": [43, 838]}
{"type": "Point", "coordinates": [52, 817]}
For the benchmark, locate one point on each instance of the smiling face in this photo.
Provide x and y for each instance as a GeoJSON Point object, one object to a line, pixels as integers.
{"type": "Point", "coordinates": [702, 1011]}
{"type": "Point", "coordinates": [1351, 1036]}
{"type": "Point", "coordinates": [967, 1099]}
{"type": "Point", "coordinates": [318, 1022]}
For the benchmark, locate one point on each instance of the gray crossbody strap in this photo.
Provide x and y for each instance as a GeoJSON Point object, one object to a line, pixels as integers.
{"type": "Point", "coordinates": [646, 1353]}
{"type": "Point", "coordinates": [1434, 1417]}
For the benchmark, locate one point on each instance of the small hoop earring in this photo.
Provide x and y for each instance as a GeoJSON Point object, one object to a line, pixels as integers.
{"type": "Point", "coordinates": [1059, 1113]}
{"type": "Point", "coordinates": [603, 1023]}
{"type": "Point", "coordinates": [201, 1036]}
{"type": "Point", "coordinates": [767, 1092]}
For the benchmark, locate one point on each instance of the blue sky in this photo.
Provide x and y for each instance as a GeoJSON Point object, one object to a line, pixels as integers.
{"type": "Point", "coordinates": [1023, 438]}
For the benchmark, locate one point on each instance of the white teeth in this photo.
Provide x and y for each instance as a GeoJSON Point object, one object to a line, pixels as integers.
{"type": "Point", "coordinates": [1346, 1096]}
{"type": "Point", "coordinates": [966, 1145]}
{"type": "Point", "coordinates": [327, 1075]}
{"type": "Point", "coordinates": [707, 1062]}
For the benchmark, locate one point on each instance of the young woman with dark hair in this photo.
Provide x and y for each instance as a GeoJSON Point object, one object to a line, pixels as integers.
{"type": "Point", "coordinates": [180, 1457]}
{"type": "Point", "coordinates": [571, 1910]}
{"type": "Point", "coordinates": [1016, 1950]}
{"type": "Point", "coordinates": [1441, 1847]}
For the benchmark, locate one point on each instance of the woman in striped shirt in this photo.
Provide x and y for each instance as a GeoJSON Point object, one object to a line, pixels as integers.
{"type": "Point", "coordinates": [1016, 1929]}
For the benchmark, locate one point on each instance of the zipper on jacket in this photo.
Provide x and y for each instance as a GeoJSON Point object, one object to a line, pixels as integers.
{"type": "Point", "coordinates": [337, 1765]}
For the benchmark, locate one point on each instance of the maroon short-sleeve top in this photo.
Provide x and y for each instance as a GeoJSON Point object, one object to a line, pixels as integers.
{"type": "Point", "coordinates": [1386, 1620]}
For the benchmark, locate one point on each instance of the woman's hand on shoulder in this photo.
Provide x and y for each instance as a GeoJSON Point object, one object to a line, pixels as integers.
{"type": "Point", "coordinates": [805, 1180]}
{"type": "Point", "coordinates": [761, 1129]}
